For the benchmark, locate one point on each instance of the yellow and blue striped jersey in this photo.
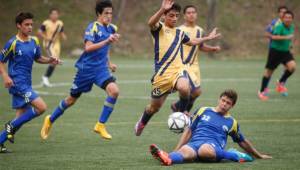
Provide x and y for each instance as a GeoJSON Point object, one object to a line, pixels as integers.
{"type": "Point", "coordinates": [209, 125]}
{"type": "Point", "coordinates": [52, 30]}
{"type": "Point", "coordinates": [190, 53]}
{"type": "Point", "coordinates": [167, 45]}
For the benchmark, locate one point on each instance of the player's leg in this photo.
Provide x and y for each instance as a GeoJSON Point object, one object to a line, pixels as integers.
{"type": "Point", "coordinates": [53, 51]}
{"type": "Point", "coordinates": [112, 91]}
{"type": "Point", "coordinates": [183, 88]}
{"type": "Point", "coordinates": [150, 110]}
{"type": "Point", "coordinates": [194, 95]}
{"type": "Point", "coordinates": [290, 67]}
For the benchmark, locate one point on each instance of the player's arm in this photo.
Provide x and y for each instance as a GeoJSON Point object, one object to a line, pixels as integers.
{"type": "Point", "coordinates": [276, 35]}
{"type": "Point", "coordinates": [153, 22]}
{"type": "Point", "coordinates": [208, 48]}
{"type": "Point", "coordinates": [112, 66]}
{"type": "Point", "coordinates": [90, 46]}
{"type": "Point", "coordinates": [249, 148]}
{"type": "Point", "coordinates": [198, 41]}
{"type": "Point", "coordinates": [42, 32]}
{"type": "Point", "coordinates": [48, 60]}
{"type": "Point", "coordinates": [8, 82]}
{"type": "Point", "coordinates": [63, 34]}
{"type": "Point", "coordinates": [185, 137]}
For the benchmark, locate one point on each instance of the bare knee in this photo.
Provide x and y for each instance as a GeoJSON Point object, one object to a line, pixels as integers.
{"type": "Point", "coordinates": [41, 108]}
{"type": "Point", "coordinates": [70, 100]}
{"type": "Point", "coordinates": [183, 87]}
{"type": "Point", "coordinates": [207, 152]}
{"type": "Point", "coordinates": [152, 109]}
{"type": "Point", "coordinates": [268, 73]}
{"type": "Point", "coordinates": [113, 90]}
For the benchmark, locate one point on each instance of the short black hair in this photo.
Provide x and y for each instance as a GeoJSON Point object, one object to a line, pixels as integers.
{"type": "Point", "coordinates": [189, 6]}
{"type": "Point", "coordinates": [289, 12]}
{"type": "Point", "coordinates": [176, 7]}
{"type": "Point", "coordinates": [23, 16]}
{"type": "Point", "coordinates": [282, 7]}
{"type": "Point", "coordinates": [232, 94]}
{"type": "Point", "coordinates": [101, 4]}
{"type": "Point", "coordinates": [53, 9]}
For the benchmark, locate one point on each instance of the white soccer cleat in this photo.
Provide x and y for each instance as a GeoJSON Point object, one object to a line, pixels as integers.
{"type": "Point", "coordinates": [45, 82]}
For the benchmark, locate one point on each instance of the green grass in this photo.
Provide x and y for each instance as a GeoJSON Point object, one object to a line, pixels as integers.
{"type": "Point", "coordinates": [272, 126]}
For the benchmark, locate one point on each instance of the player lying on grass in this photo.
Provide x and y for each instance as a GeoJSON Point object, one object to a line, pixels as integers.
{"type": "Point", "coordinates": [206, 137]}
{"type": "Point", "coordinates": [170, 73]}
{"type": "Point", "coordinates": [93, 68]}
{"type": "Point", "coordinates": [20, 52]}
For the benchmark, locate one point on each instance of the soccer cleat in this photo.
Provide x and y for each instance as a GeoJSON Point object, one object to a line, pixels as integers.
{"type": "Point", "coordinates": [46, 128]}
{"type": "Point", "coordinates": [3, 149]}
{"type": "Point", "coordinates": [100, 128]}
{"type": "Point", "coordinates": [46, 82]}
{"type": "Point", "coordinates": [160, 155]}
{"type": "Point", "coordinates": [243, 157]}
{"type": "Point", "coordinates": [139, 127]}
{"type": "Point", "coordinates": [280, 88]}
{"type": "Point", "coordinates": [173, 107]}
{"type": "Point", "coordinates": [10, 132]}
{"type": "Point", "coordinates": [262, 96]}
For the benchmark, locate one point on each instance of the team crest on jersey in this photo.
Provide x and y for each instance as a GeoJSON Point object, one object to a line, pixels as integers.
{"type": "Point", "coordinates": [167, 31]}
{"type": "Point", "coordinates": [156, 92]}
{"type": "Point", "coordinates": [225, 128]}
{"type": "Point", "coordinates": [19, 52]}
{"type": "Point", "coordinates": [100, 33]}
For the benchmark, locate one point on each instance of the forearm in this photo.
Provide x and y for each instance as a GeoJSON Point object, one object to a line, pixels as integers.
{"type": "Point", "coordinates": [3, 71]}
{"type": "Point", "coordinates": [186, 135]}
{"type": "Point", "coordinates": [155, 18]}
{"type": "Point", "coordinates": [249, 148]}
{"type": "Point", "coordinates": [279, 37]}
{"type": "Point", "coordinates": [89, 47]}
{"type": "Point", "coordinates": [197, 41]}
{"type": "Point", "coordinates": [44, 60]}
{"type": "Point", "coordinates": [208, 48]}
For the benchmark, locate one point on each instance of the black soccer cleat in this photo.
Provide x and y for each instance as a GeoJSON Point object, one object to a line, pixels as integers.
{"type": "Point", "coordinates": [10, 132]}
{"type": "Point", "coordinates": [3, 149]}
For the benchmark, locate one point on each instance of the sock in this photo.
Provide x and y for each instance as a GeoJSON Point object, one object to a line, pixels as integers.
{"type": "Point", "coordinates": [222, 154]}
{"type": "Point", "coordinates": [28, 115]}
{"type": "Point", "coordinates": [107, 109]}
{"type": "Point", "coordinates": [286, 74]}
{"type": "Point", "coordinates": [264, 83]}
{"type": "Point", "coordinates": [49, 71]}
{"type": "Point", "coordinates": [176, 157]}
{"type": "Point", "coordinates": [146, 117]}
{"type": "Point", "coordinates": [58, 111]}
{"type": "Point", "coordinates": [190, 104]}
{"type": "Point", "coordinates": [183, 104]}
{"type": "Point", "coordinates": [3, 137]}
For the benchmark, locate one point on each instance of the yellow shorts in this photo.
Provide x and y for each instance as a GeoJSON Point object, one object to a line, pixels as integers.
{"type": "Point", "coordinates": [165, 83]}
{"type": "Point", "coordinates": [53, 49]}
{"type": "Point", "coordinates": [194, 76]}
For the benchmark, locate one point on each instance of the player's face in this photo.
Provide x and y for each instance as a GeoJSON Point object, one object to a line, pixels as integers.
{"type": "Point", "coordinates": [190, 15]}
{"type": "Point", "coordinates": [287, 19]}
{"type": "Point", "coordinates": [54, 15]}
{"type": "Point", "coordinates": [171, 18]}
{"type": "Point", "coordinates": [106, 16]}
{"type": "Point", "coordinates": [225, 104]}
{"type": "Point", "coordinates": [26, 26]}
{"type": "Point", "coordinates": [281, 12]}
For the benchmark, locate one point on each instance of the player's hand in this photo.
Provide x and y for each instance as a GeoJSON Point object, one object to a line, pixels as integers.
{"type": "Point", "coordinates": [113, 67]}
{"type": "Point", "coordinates": [167, 4]}
{"type": "Point", "coordinates": [289, 37]}
{"type": "Point", "coordinates": [216, 48]}
{"type": "Point", "coordinates": [262, 156]}
{"type": "Point", "coordinates": [113, 38]}
{"type": "Point", "coordinates": [213, 34]}
{"type": "Point", "coordinates": [55, 60]}
{"type": "Point", "coordinates": [8, 82]}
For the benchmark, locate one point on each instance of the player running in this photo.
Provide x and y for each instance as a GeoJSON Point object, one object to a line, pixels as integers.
{"type": "Point", "coordinates": [20, 52]}
{"type": "Point", "coordinates": [206, 138]}
{"type": "Point", "coordinates": [93, 68]}
{"type": "Point", "coordinates": [170, 73]}
{"type": "Point", "coordinates": [279, 53]}
{"type": "Point", "coordinates": [51, 31]}
{"type": "Point", "coordinates": [191, 53]}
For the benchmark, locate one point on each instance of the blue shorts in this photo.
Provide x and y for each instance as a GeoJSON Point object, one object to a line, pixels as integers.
{"type": "Point", "coordinates": [21, 98]}
{"type": "Point", "coordinates": [195, 145]}
{"type": "Point", "coordinates": [84, 80]}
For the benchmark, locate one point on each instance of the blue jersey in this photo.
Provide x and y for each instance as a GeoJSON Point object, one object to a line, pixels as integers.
{"type": "Point", "coordinates": [98, 59]}
{"type": "Point", "coordinates": [208, 125]}
{"type": "Point", "coordinates": [20, 56]}
{"type": "Point", "coordinates": [271, 26]}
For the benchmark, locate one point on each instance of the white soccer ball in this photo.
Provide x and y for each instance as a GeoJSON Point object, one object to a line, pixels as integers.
{"type": "Point", "coordinates": [178, 121]}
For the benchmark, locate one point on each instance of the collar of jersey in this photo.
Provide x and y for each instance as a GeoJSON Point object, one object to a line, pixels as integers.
{"type": "Point", "coordinates": [19, 39]}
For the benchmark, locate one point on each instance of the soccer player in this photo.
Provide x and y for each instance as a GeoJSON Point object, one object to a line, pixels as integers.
{"type": "Point", "coordinates": [191, 53]}
{"type": "Point", "coordinates": [279, 53]}
{"type": "Point", "coordinates": [93, 68]}
{"type": "Point", "coordinates": [20, 52]}
{"type": "Point", "coordinates": [206, 137]}
{"type": "Point", "coordinates": [51, 31]}
{"type": "Point", "coordinates": [169, 73]}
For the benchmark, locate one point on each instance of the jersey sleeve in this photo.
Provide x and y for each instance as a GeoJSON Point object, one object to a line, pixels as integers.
{"type": "Point", "coordinates": [62, 27]}
{"type": "Point", "coordinates": [8, 51]}
{"type": "Point", "coordinates": [236, 133]}
{"type": "Point", "coordinates": [37, 53]}
{"type": "Point", "coordinates": [155, 32]}
{"type": "Point", "coordinates": [114, 28]}
{"type": "Point", "coordinates": [90, 31]}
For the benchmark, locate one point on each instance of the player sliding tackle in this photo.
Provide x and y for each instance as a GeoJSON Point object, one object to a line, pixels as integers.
{"type": "Point", "coordinates": [93, 68]}
{"type": "Point", "coordinates": [206, 137]}
{"type": "Point", "coordinates": [170, 73]}
{"type": "Point", "coordinates": [20, 52]}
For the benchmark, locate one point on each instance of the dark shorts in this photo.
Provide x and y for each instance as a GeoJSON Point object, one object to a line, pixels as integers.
{"type": "Point", "coordinates": [276, 57]}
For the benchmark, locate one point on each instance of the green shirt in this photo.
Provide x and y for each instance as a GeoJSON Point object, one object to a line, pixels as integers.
{"type": "Point", "coordinates": [282, 45]}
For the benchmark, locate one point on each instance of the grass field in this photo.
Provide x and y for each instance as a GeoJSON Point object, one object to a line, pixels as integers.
{"type": "Point", "coordinates": [272, 126]}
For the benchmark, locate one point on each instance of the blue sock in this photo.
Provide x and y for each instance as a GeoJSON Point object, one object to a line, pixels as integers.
{"type": "Point", "coordinates": [58, 111]}
{"type": "Point", "coordinates": [176, 157]}
{"type": "Point", "coordinates": [107, 109]}
{"type": "Point", "coordinates": [28, 115]}
{"type": "Point", "coordinates": [3, 137]}
{"type": "Point", "coordinates": [222, 154]}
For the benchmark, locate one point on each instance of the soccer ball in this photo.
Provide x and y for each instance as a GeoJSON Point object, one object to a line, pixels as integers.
{"type": "Point", "coordinates": [178, 121]}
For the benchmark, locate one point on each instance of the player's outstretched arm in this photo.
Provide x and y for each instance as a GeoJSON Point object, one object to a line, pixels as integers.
{"type": "Point", "coordinates": [90, 46]}
{"type": "Point", "coordinates": [154, 20]}
{"type": "Point", "coordinates": [280, 37]}
{"type": "Point", "coordinates": [185, 137]}
{"type": "Point", "coordinates": [211, 36]}
{"type": "Point", "coordinates": [249, 148]}
{"type": "Point", "coordinates": [48, 60]}
{"type": "Point", "coordinates": [209, 48]}
{"type": "Point", "coordinates": [6, 79]}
